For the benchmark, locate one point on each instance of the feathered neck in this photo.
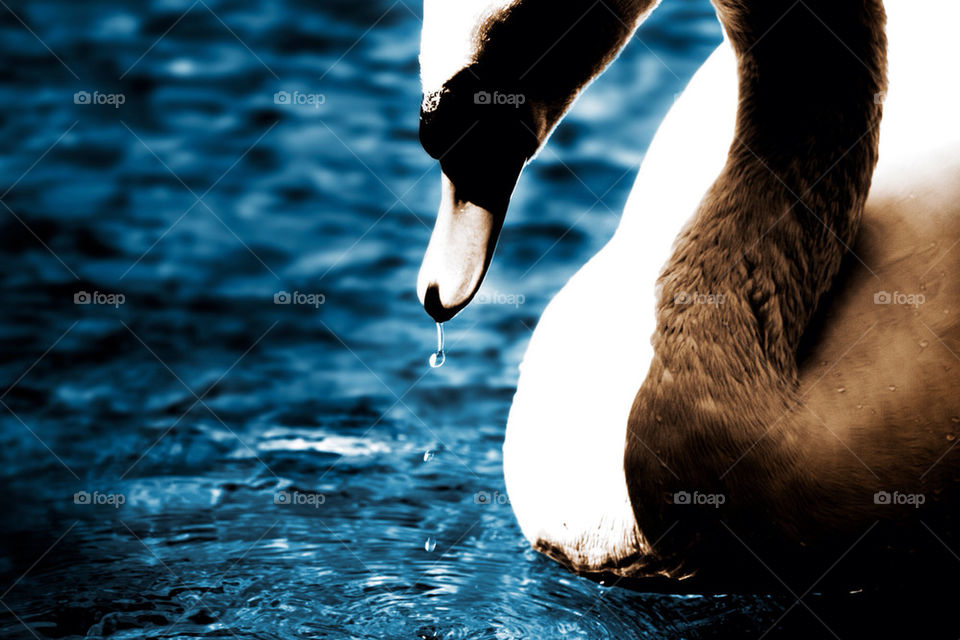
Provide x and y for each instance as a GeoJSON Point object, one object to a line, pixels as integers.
{"type": "Point", "coordinates": [747, 273]}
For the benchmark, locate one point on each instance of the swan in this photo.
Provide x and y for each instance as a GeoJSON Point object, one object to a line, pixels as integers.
{"type": "Point", "coordinates": [756, 379]}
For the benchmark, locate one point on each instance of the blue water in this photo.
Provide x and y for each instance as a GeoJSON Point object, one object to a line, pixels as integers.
{"type": "Point", "coordinates": [285, 470]}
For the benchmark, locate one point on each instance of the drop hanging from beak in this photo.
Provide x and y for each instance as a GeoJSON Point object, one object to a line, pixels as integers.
{"type": "Point", "coordinates": [437, 359]}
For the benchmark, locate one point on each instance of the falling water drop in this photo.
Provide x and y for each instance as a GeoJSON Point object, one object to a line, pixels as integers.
{"type": "Point", "coordinates": [430, 544]}
{"type": "Point", "coordinates": [436, 359]}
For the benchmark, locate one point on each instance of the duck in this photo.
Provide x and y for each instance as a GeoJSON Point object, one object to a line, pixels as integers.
{"type": "Point", "coordinates": [756, 381]}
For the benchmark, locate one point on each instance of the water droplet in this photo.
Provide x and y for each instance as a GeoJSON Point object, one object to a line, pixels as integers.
{"type": "Point", "coordinates": [429, 455]}
{"type": "Point", "coordinates": [430, 544]}
{"type": "Point", "coordinates": [841, 389]}
{"type": "Point", "coordinates": [892, 387]}
{"type": "Point", "coordinates": [924, 344]}
{"type": "Point", "coordinates": [437, 359]}
{"type": "Point", "coordinates": [951, 437]}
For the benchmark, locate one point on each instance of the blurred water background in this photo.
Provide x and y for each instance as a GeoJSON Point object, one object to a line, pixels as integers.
{"type": "Point", "coordinates": [184, 457]}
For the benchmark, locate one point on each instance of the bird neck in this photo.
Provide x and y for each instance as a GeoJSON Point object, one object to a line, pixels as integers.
{"type": "Point", "coordinates": [715, 411]}
{"type": "Point", "coordinates": [748, 272]}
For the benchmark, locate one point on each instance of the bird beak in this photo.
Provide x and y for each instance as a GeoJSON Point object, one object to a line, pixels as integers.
{"type": "Point", "coordinates": [460, 249]}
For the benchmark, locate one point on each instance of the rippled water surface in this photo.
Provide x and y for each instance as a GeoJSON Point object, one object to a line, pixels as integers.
{"type": "Point", "coordinates": [199, 461]}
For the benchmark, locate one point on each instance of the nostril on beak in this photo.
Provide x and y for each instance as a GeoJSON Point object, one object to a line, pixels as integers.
{"type": "Point", "coordinates": [435, 308]}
